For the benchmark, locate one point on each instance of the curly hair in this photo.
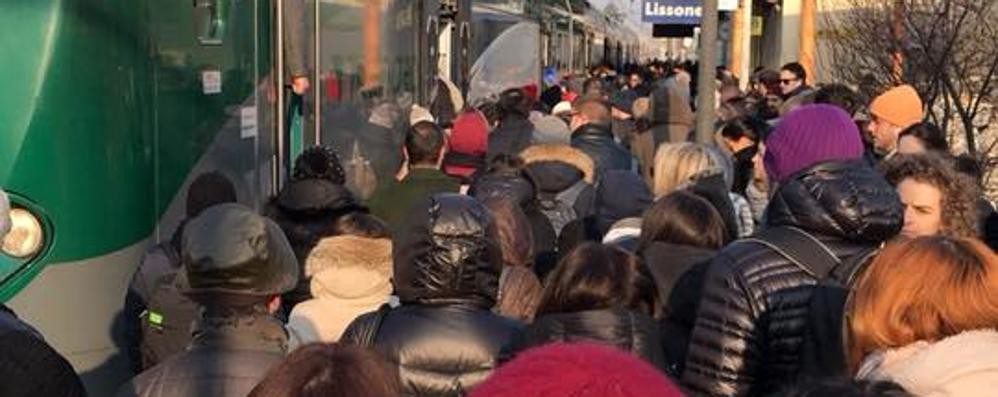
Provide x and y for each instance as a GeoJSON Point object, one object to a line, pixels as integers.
{"type": "Point", "coordinates": [959, 192]}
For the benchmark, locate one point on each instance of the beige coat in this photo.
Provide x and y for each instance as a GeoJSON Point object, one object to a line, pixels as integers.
{"type": "Point", "coordinates": [350, 276]}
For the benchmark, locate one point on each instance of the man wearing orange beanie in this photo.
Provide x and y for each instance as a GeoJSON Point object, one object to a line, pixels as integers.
{"type": "Point", "coordinates": [893, 112]}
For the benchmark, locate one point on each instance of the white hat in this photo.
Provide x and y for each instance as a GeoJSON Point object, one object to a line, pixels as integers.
{"type": "Point", "coordinates": [4, 215]}
{"type": "Point", "coordinates": [561, 107]}
{"type": "Point", "coordinates": [420, 114]}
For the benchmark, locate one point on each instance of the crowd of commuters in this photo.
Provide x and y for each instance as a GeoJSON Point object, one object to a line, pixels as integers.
{"type": "Point", "coordinates": [572, 240]}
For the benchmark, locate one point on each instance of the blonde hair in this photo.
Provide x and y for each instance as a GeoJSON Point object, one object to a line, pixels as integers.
{"type": "Point", "coordinates": [926, 288]}
{"type": "Point", "coordinates": [677, 164]}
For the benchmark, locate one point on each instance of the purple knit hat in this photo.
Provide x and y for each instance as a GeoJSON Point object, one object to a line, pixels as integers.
{"type": "Point", "coordinates": [809, 135]}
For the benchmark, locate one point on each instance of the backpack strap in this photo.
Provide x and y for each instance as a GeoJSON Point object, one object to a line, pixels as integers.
{"type": "Point", "coordinates": [846, 272]}
{"type": "Point", "coordinates": [799, 247]}
{"type": "Point", "coordinates": [571, 195]}
{"type": "Point", "coordinates": [368, 336]}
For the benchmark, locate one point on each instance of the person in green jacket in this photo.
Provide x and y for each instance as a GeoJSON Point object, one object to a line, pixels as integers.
{"type": "Point", "coordinates": [419, 178]}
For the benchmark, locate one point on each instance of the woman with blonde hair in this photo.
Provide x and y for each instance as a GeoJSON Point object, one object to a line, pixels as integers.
{"type": "Point", "coordinates": [924, 315]}
{"type": "Point", "coordinates": [706, 172]}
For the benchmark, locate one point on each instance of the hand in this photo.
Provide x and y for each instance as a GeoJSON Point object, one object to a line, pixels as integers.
{"type": "Point", "coordinates": [299, 85]}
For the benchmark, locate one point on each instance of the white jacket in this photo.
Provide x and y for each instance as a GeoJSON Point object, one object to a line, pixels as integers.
{"type": "Point", "coordinates": [350, 276]}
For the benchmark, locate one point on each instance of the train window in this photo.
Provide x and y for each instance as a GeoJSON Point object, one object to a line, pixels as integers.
{"type": "Point", "coordinates": [209, 20]}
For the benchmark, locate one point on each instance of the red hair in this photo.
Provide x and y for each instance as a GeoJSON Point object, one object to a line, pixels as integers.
{"type": "Point", "coordinates": [927, 288]}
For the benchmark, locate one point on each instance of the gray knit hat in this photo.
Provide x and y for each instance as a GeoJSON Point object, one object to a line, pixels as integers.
{"type": "Point", "coordinates": [551, 130]}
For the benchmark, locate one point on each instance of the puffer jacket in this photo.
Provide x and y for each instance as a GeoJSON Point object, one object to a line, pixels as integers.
{"type": "Point", "coordinates": [598, 143]}
{"type": "Point", "coordinates": [750, 324]}
{"type": "Point", "coordinates": [443, 338]}
{"type": "Point", "coordinates": [625, 329]}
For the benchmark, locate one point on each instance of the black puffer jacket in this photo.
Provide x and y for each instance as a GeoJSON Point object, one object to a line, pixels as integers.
{"type": "Point", "coordinates": [443, 338]}
{"type": "Point", "coordinates": [752, 314]}
{"type": "Point", "coordinates": [597, 142]}
{"type": "Point", "coordinates": [627, 330]}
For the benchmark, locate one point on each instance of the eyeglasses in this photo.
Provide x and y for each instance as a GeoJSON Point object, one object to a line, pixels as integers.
{"type": "Point", "coordinates": [787, 81]}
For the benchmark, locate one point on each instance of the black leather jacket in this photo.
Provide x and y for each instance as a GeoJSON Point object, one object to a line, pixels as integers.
{"type": "Point", "coordinates": [597, 142]}
{"type": "Point", "coordinates": [749, 327]}
{"type": "Point", "coordinates": [444, 338]}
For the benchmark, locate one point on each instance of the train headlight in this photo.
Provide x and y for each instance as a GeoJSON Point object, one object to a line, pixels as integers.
{"type": "Point", "coordinates": [26, 235]}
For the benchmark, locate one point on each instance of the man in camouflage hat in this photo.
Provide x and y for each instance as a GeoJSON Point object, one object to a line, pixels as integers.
{"type": "Point", "coordinates": [237, 264]}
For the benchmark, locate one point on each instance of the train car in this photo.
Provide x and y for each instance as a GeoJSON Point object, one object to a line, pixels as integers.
{"type": "Point", "coordinates": [109, 108]}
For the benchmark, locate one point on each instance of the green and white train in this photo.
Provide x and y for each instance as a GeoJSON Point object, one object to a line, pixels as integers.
{"type": "Point", "coordinates": [109, 108]}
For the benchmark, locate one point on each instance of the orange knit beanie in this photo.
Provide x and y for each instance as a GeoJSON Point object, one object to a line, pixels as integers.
{"type": "Point", "coordinates": [900, 106]}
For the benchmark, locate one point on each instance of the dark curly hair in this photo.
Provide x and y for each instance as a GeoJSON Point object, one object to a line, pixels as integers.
{"type": "Point", "coordinates": [959, 192]}
{"type": "Point", "coordinates": [319, 162]}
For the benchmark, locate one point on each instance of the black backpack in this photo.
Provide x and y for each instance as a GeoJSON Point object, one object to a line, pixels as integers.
{"type": "Point", "coordinates": [165, 324]}
{"type": "Point", "coordinates": [822, 351]}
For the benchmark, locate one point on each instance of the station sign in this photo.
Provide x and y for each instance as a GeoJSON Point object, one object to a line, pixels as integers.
{"type": "Point", "coordinates": [679, 12]}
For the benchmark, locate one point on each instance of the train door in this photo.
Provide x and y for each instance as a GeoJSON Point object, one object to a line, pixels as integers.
{"type": "Point", "coordinates": [212, 100]}
{"type": "Point", "coordinates": [370, 61]}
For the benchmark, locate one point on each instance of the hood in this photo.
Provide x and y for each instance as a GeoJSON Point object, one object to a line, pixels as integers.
{"type": "Point", "coordinates": [469, 135]}
{"type": "Point", "coordinates": [669, 107]}
{"type": "Point", "coordinates": [340, 252]}
{"type": "Point", "coordinates": [310, 196]}
{"type": "Point", "coordinates": [505, 184]}
{"type": "Point", "coordinates": [448, 253]}
{"type": "Point", "coordinates": [619, 195]}
{"type": "Point", "coordinates": [714, 189]}
{"type": "Point", "coordinates": [564, 154]}
{"type": "Point", "coordinates": [961, 365]}
{"type": "Point", "coordinates": [351, 283]}
{"type": "Point", "coordinates": [350, 267]}
{"type": "Point", "coordinates": [846, 200]}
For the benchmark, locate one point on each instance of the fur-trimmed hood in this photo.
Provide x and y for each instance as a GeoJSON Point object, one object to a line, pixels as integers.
{"type": "Point", "coordinates": [562, 154]}
{"type": "Point", "coordinates": [350, 267]}
{"type": "Point", "coordinates": [350, 251]}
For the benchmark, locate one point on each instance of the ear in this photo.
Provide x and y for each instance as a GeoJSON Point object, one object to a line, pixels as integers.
{"type": "Point", "coordinates": [443, 151]}
{"type": "Point", "coordinates": [274, 304]}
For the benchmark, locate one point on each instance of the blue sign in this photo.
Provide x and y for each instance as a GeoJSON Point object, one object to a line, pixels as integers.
{"type": "Point", "coordinates": [674, 12]}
